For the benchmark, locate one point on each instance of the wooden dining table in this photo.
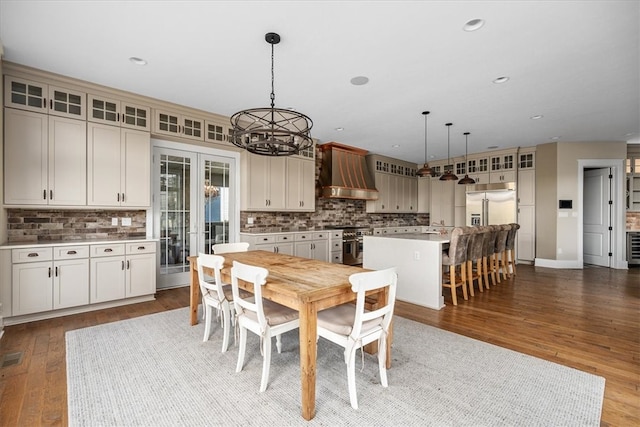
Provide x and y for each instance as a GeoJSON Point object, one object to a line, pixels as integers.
{"type": "Point", "coordinates": [303, 284]}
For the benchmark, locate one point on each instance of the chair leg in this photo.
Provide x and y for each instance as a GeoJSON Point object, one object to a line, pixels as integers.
{"type": "Point", "coordinates": [470, 278]}
{"type": "Point", "coordinates": [512, 257]}
{"type": "Point", "coordinates": [350, 355]}
{"type": "Point", "coordinates": [463, 279]}
{"type": "Point", "coordinates": [226, 328]}
{"type": "Point", "coordinates": [382, 360]}
{"type": "Point", "coordinates": [495, 272]}
{"type": "Point", "coordinates": [452, 283]}
{"type": "Point", "coordinates": [505, 266]}
{"type": "Point", "coordinates": [207, 322]}
{"type": "Point", "coordinates": [266, 362]}
{"type": "Point", "coordinates": [279, 343]}
{"type": "Point", "coordinates": [485, 271]}
{"type": "Point", "coordinates": [242, 345]}
{"type": "Point", "coordinates": [479, 271]}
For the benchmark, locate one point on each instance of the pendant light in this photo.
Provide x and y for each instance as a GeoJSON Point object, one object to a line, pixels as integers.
{"type": "Point", "coordinates": [271, 131]}
{"type": "Point", "coordinates": [448, 174]}
{"type": "Point", "coordinates": [466, 180]}
{"type": "Point", "coordinates": [425, 170]}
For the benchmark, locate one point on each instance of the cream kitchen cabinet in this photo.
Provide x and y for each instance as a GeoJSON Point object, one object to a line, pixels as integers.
{"type": "Point", "coordinates": [49, 278]}
{"type": "Point", "coordinates": [478, 168]}
{"type": "Point", "coordinates": [503, 168]}
{"type": "Point", "coordinates": [264, 188]}
{"type": "Point", "coordinates": [119, 166]}
{"type": "Point", "coordinates": [122, 270]}
{"type": "Point", "coordinates": [41, 97]}
{"type": "Point", "coordinates": [118, 113]}
{"type": "Point", "coordinates": [396, 183]}
{"type": "Point", "coordinates": [442, 201]}
{"type": "Point", "coordinates": [335, 246]}
{"type": "Point", "coordinates": [166, 123]}
{"type": "Point", "coordinates": [277, 243]}
{"type": "Point", "coordinates": [314, 245]}
{"type": "Point", "coordinates": [217, 132]}
{"type": "Point", "coordinates": [424, 194]}
{"type": "Point", "coordinates": [44, 159]}
{"type": "Point", "coordinates": [300, 184]}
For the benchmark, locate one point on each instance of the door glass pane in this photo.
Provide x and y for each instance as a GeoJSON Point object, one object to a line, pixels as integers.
{"type": "Point", "coordinates": [216, 203]}
{"type": "Point", "coordinates": [175, 176]}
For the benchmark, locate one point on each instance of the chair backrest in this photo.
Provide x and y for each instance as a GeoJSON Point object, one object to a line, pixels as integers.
{"type": "Point", "coordinates": [474, 250]}
{"type": "Point", "coordinates": [366, 281]}
{"type": "Point", "coordinates": [511, 238]}
{"type": "Point", "coordinates": [458, 242]}
{"type": "Point", "coordinates": [489, 241]}
{"type": "Point", "coordinates": [215, 262]}
{"type": "Point", "coordinates": [224, 248]}
{"type": "Point", "coordinates": [503, 233]}
{"type": "Point", "coordinates": [251, 274]}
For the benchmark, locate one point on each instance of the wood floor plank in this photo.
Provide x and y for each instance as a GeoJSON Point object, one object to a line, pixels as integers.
{"type": "Point", "coordinates": [585, 319]}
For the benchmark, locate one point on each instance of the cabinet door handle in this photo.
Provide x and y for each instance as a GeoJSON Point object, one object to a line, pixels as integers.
{"type": "Point", "coordinates": [122, 197]}
{"type": "Point", "coordinates": [119, 117]}
{"type": "Point", "coordinates": [51, 104]}
{"type": "Point", "coordinates": [128, 264]}
{"type": "Point", "coordinates": [50, 194]}
{"type": "Point", "coordinates": [33, 254]}
{"type": "Point", "coordinates": [56, 271]}
{"type": "Point", "coordinates": [49, 271]}
{"type": "Point", "coordinates": [118, 196]}
{"type": "Point", "coordinates": [141, 248]}
{"type": "Point", "coordinates": [71, 252]}
{"type": "Point", "coordinates": [123, 265]}
{"type": "Point", "coordinates": [44, 194]}
{"type": "Point", "coordinates": [108, 250]}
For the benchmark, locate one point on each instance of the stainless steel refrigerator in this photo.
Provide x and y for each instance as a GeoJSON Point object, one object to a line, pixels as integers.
{"type": "Point", "coordinates": [489, 204]}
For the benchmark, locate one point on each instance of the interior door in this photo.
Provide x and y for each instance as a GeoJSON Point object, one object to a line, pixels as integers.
{"type": "Point", "coordinates": [597, 217]}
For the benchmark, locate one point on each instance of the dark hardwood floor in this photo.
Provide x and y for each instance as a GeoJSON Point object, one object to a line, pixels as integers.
{"type": "Point", "coordinates": [586, 319]}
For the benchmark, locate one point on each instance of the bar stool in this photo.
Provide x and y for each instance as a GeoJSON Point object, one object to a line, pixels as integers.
{"type": "Point", "coordinates": [456, 256]}
{"type": "Point", "coordinates": [474, 254]}
{"type": "Point", "coordinates": [501, 251]}
{"type": "Point", "coordinates": [511, 243]}
{"type": "Point", "coordinates": [488, 240]}
{"type": "Point", "coordinates": [490, 251]}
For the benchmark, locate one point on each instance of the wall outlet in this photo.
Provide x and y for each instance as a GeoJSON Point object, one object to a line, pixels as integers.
{"type": "Point", "coordinates": [250, 221]}
{"type": "Point", "coordinates": [416, 255]}
{"type": "Point", "coordinates": [126, 222]}
{"type": "Point", "coordinates": [114, 221]}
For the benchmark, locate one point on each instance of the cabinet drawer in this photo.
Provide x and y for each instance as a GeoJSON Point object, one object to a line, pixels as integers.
{"type": "Point", "coordinates": [301, 237]}
{"type": "Point", "coordinates": [70, 252]}
{"type": "Point", "coordinates": [265, 239]}
{"type": "Point", "coordinates": [32, 254]}
{"type": "Point", "coordinates": [284, 238]}
{"type": "Point", "coordinates": [320, 235]}
{"type": "Point", "coordinates": [336, 245]}
{"type": "Point", "coordinates": [141, 248]}
{"type": "Point", "coordinates": [107, 250]}
{"type": "Point", "coordinates": [336, 235]}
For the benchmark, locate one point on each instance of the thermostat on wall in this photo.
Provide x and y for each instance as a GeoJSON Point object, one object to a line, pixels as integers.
{"type": "Point", "coordinates": [565, 204]}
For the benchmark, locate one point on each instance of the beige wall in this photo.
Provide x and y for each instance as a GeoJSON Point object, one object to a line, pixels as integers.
{"type": "Point", "coordinates": [558, 178]}
{"type": "Point", "coordinates": [546, 199]}
{"type": "Point", "coordinates": [3, 212]}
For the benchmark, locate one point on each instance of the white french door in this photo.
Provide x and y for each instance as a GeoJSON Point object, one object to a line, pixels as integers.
{"type": "Point", "coordinates": [194, 207]}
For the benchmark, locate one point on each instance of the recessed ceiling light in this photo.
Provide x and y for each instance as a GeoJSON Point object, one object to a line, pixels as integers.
{"type": "Point", "coordinates": [339, 129]}
{"type": "Point", "coordinates": [555, 138]}
{"type": "Point", "coordinates": [628, 134]}
{"type": "Point", "coordinates": [396, 145]}
{"type": "Point", "coordinates": [536, 117]}
{"type": "Point", "coordinates": [473, 25]}
{"type": "Point", "coordinates": [502, 79]}
{"type": "Point", "coordinates": [359, 80]}
{"type": "Point", "coordinates": [138, 61]}
{"type": "Point", "coordinates": [492, 147]}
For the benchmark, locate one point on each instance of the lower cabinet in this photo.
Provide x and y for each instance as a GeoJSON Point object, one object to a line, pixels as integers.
{"type": "Point", "coordinates": [49, 278]}
{"type": "Point", "coordinates": [45, 278]}
{"type": "Point", "coordinates": [121, 271]}
{"type": "Point", "coordinates": [312, 244]}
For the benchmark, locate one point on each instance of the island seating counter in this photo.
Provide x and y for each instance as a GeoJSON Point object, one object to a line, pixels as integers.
{"type": "Point", "coordinates": [418, 260]}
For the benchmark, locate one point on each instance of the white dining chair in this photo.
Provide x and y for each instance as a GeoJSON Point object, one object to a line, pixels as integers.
{"type": "Point", "coordinates": [224, 248]}
{"type": "Point", "coordinates": [262, 317]}
{"type": "Point", "coordinates": [215, 294]}
{"type": "Point", "coordinates": [352, 327]}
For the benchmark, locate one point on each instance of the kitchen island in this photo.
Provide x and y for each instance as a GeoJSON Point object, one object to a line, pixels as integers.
{"type": "Point", "coordinates": [418, 259]}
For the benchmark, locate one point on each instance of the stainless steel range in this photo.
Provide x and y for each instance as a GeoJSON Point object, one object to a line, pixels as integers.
{"type": "Point", "coordinates": [352, 247]}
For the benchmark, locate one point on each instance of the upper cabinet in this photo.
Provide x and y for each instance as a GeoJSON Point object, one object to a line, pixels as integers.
{"type": "Point", "coordinates": [119, 167]}
{"type": "Point", "coordinates": [169, 123]}
{"type": "Point", "coordinates": [118, 113]}
{"type": "Point", "coordinates": [43, 98]}
{"type": "Point", "coordinates": [503, 167]}
{"type": "Point", "coordinates": [396, 183]}
{"type": "Point", "coordinates": [217, 132]}
{"type": "Point", "coordinates": [478, 168]}
{"type": "Point", "coordinates": [633, 179]}
{"type": "Point", "coordinates": [277, 183]}
{"type": "Point", "coordinates": [45, 158]}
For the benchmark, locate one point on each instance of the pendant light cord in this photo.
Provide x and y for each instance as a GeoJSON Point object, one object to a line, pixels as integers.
{"type": "Point", "coordinates": [273, 94]}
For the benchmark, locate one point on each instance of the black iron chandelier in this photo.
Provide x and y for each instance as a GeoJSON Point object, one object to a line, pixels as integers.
{"type": "Point", "coordinates": [271, 131]}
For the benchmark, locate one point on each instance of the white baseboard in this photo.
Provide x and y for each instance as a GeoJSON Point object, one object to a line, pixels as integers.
{"type": "Point", "coordinates": [554, 263]}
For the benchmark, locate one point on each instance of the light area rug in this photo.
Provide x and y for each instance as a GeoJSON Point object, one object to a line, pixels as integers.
{"type": "Point", "coordinates": [156, 371]}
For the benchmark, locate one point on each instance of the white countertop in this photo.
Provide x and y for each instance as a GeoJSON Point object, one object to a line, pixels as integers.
{"type": "Point", "coordinates": [429, 237]}
{"type": "Point", "coordinates": [20, 245]}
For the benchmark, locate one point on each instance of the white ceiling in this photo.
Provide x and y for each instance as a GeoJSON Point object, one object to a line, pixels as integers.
{"type": "Point", "coordinates": [574, 62]}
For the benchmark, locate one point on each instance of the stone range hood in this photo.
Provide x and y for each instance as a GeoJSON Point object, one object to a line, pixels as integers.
{"type": "Point", "coordinates": [344, 173]}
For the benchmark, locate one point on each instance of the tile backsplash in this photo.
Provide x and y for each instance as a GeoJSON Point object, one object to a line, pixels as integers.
{"type": "Point", "coordinates": [26, 225]}
{"type": "Point", "coordinates": [633, 221]}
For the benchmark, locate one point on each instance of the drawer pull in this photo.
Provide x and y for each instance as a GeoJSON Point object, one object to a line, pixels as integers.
{"type": "Point", "coordinates": [72, 253]}
{"type": "Point", "coordinates": [33, 254]}
{"type": "Point", "coordinates": [108, 250]}
{"type": "Point", "coordinates": [141, 248]}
